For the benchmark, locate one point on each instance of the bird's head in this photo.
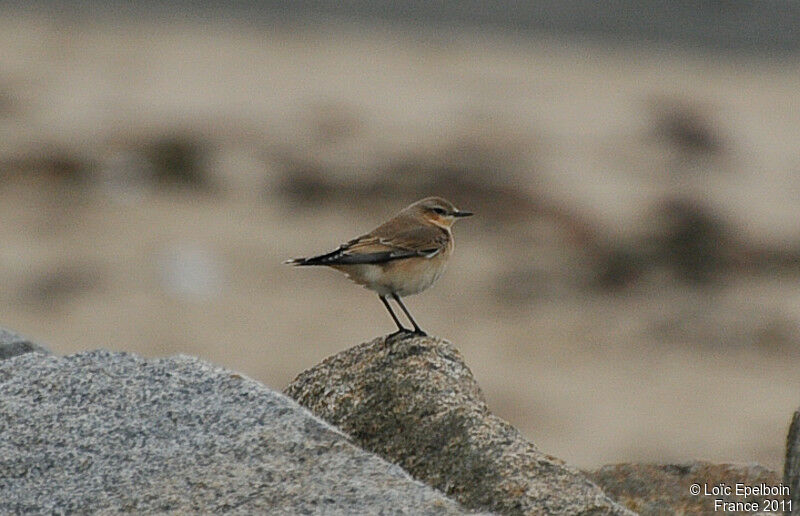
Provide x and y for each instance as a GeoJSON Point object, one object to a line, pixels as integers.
{"type": "Point", "coordinates": [438, 211]}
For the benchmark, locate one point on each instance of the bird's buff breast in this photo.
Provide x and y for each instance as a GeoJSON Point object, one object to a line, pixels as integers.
{"type": "Point", "coordinates": [401, 277]}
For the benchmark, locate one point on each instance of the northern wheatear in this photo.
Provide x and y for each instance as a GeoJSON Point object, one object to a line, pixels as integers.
{"type": "Point", "coordinates": [403, 256]}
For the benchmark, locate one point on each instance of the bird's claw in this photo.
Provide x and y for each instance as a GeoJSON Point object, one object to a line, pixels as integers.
{"type": "Point", "coordinates": [398, 333]}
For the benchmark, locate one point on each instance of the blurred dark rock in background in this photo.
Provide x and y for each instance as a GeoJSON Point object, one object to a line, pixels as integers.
{"type": "Point", "coordinates": [686, 127]}
{"type": "Point", "coordinates": [691, 240]}
{"type": "Point", "coordinates": [53, 286]}
{"type": "Point", "coordinates": [64, 167]}
{"type": "Point", "coordinates": [177, 160]}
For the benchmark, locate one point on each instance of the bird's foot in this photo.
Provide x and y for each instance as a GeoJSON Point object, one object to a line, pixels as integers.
{"type": "Point", "coordinates": [419, 333]}
{"type": "Point", "coordinates": [399, 333]}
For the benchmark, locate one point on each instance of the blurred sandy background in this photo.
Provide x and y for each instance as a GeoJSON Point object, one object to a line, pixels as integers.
{"type": "Point", "coordinates": [629, 289]}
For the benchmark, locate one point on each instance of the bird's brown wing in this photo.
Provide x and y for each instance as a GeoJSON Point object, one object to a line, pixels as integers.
{"type": "Point", "coordinates": [381, 247]}
{"type": "Point", "coordinates": [426, 241]}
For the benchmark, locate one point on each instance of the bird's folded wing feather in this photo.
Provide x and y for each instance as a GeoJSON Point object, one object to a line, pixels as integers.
{"type": "Point", "coordinates": [424, 242]}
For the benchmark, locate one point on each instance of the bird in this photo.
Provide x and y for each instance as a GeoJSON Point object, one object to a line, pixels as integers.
{"type": "Point", "coordinates": [402, 257]}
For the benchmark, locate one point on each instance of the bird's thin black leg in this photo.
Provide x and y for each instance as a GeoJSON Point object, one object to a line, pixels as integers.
{"type": "Point", "coordinates": [417, 329]}
{"type": "Point", "coordinates": [400, 327]}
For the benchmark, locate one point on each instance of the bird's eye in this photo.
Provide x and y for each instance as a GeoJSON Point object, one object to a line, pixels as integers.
{"type": "Point", "coordinates": [439, 211]}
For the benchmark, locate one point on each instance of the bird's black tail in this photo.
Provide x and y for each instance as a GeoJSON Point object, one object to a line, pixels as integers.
{"type": "Point", "coordinates": [322, 259]}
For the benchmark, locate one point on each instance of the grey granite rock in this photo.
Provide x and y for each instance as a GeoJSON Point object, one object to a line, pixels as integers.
{"type": "Point", "coordinates": [663, 489]}
{"type": "Point", "coordinates": [104, 432]}
{"type": "Point", "coordinates": [791, 471]}
{"type": "Point", "coordinates": [12, 344]}
{"type": "Point", "coordinates": [413, 401]}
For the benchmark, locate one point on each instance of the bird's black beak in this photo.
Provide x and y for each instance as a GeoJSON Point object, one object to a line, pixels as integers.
{"type": "Point", "coordinates": [460, 213]}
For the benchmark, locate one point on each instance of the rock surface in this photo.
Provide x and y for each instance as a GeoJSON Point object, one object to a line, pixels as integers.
{"type": "Point", "coordinates": [12, 344]}
{"type": "Point", "coordinates": [663, 489]}
{"type": "Point", "coordinates": [103, 432]}
{"type": "Point", "coordinates": [791, 471]}
{"type": "Point", "coordinates": [413, 401]}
